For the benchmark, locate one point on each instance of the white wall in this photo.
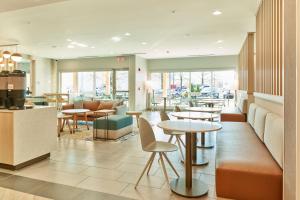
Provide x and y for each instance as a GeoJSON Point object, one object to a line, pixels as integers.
{"type": "Point", "coordinates": [43, 76]}
{"type": "Point", "coordinates": [193, 64]}
{"type": "Point", "coordinates": [140, 79]}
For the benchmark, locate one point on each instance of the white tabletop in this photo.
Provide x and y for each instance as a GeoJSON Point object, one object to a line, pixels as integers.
{"type": "Point", "coordinates": [204, 109]}
{"type": "Point", "coordinates": [189, 126]}
{"type": "Point", "coordinates": [194, 115]}
{"type": "Point", "coordinates": [75, 111]}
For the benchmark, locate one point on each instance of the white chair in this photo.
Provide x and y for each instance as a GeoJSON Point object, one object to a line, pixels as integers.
{"type": "Point", "coordinates": [177, 135]}
{"type": "Point", "coordinates": [149, 144]}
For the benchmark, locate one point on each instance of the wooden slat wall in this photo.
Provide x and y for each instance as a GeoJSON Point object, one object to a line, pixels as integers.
{"type": "Point", "coordinates": [246, 65]}
{"type": "Point", "coordinates": [269, 63]}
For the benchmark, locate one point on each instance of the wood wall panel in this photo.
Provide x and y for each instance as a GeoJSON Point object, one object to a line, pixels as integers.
{"type": "Point", "coordinates": [246, 65]}
{"type": "Point", "coordinates": [269, 65]}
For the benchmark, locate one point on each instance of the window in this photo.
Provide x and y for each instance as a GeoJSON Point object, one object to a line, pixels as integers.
{"type": "Point", "coordinates": [122, 85]}
{"type": "Point", "coordinates": [103, 87]}
{"type": "Point", "coordinates": [86, 84]}
{"type": "Point", "coordinates": [180, 87]}
{"type": "Point", "coordinates": [67, 82]}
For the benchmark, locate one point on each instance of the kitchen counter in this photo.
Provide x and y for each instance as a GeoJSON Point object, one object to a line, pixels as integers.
{"type": "Point", "coordinates": [26, 136]}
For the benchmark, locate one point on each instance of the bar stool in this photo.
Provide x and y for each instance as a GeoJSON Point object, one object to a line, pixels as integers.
{"type": "Point", "coordinates": [149, 144]}
{"type": "Point", "coordinates": [177, 135]}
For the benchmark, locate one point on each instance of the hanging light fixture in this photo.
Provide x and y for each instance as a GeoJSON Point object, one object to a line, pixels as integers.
{"type": "Point", "coordinates": [16, 57]}
{"type": "Point", "coordinates": [6, 54]}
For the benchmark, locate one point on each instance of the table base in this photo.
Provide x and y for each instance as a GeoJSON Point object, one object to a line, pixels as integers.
{"type": "Point", "coordinates": [200, 160]}
{"type": "Point", "coordinates": [205, 146]}
{"type": "Point", "coordinates": [198, 188]}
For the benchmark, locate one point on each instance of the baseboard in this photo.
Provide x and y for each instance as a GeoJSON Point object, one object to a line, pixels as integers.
{"type": "Point", "coordinates": [24, 164]}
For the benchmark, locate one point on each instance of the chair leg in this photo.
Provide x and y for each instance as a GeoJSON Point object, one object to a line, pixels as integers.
{"type": "Point", "coordinates": [164, 168]}
{"type": "Point", "coordinates": [68, 123]}
{"type": "Point", "coordinates": [144, 170]}
{"type": "Point", "coordinates": [181, 141]}
{"type": "Point", "coordinates": [170, 139]}
{"type": "Point", "coordinates": [179, 147]}
{"type": "Point", "coordinates": [167, 159]}
{"type": "Point", "coordinates": [151, 162]}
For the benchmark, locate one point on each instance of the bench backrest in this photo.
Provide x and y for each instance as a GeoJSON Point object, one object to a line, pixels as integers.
{"type": "Point", "coordinates": [269, 128]}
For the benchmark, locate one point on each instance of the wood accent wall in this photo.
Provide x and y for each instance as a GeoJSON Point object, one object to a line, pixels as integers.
{"type": "Point", "coordinates": [246, 65]}
{"type": "Point", "coordinates": [269, 45]}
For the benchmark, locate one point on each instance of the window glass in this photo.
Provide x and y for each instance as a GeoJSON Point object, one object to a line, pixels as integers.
{"type": "Point", "coordinates": [67, 82]}
{"type": "Point", "coordinates": [86, 84]}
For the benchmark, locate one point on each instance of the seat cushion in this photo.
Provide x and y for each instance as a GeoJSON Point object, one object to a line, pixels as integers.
{"type": "Point", "coordinates": [273, 137]}
{"type": "Point", "coordinates": [245, 169]}
{"type": "Point", "coordinates": [259, 122]}
{"type": "Point", "coordinates": [106, 105]}
{"type": "Point", "coordinates": [115, 122]}
{"type": "Point", "coordinates": [251, 114]}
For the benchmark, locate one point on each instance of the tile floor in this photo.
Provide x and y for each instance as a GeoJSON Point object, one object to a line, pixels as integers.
{"type": "Point", "coordinates": [113, 168]}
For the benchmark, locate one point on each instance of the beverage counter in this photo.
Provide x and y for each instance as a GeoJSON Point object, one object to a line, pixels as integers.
{"type": "Point", "coordinates": [26, 136]}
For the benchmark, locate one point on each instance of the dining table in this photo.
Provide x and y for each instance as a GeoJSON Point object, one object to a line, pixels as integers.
{"type": "Point", "coordinates": [188, 186]}
{"type": "Point", "coordinates": [198, 116]}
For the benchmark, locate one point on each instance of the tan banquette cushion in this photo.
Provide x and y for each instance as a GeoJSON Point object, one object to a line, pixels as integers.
{"type": "Point", "coordinates": [273, 137]}
{"type": "Point", "coordinates": [259, 122]}
{"type": "Point", "coordinates": [251, 114]}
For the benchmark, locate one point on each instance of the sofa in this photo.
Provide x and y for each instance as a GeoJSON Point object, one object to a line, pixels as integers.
{"type": "Point", "coordinates": [249, 157]}
{"type": "Point", "coordinates": [93, 106]}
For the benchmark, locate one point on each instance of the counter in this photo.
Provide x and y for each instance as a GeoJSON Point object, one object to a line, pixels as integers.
{"type": "Point", "coordinates": [26, 136]}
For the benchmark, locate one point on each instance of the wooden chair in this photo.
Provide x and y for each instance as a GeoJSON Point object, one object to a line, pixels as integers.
{"type": "Point", "coordinates": [149, 144]}
{"type": "Point", "coordinates": [177, 135]}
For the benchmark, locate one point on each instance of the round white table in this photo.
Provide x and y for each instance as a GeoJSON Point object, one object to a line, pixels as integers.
{"type": "Point", "coordinates": [74, 113]}
{"type": "Point", "coordinates": [204, 109]}
{"type": "Point", "coordinates": [198, 116]}
{"type": "Point", "coordinates": [189, 187]}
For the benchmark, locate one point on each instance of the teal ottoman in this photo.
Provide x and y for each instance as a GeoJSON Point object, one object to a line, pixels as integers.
{"type": "Point", "coordinates": [115, 126]}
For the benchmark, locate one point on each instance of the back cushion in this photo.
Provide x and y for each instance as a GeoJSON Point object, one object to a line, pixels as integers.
{"type": "Point", "coordinates": [259, 122]}
{"type": "Point", "coordinates": [251, 114]}
{"type": "Point", "coordinates": [91, 105]}
{"type": "Point", "coordinates": [273, 137]}
{"type": "Point", "coordinates": [78, 104]}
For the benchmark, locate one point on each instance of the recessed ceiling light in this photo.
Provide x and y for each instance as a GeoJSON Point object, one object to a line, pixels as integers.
{"type": "Point", "coordinates": [220, 41]}
{"type": "Point", "coordinates": [93, 47]}
{"type": "Point", "coordinates": [144, 43]}
{"type": "Point", "coordinates": [217, 12]}
{"type": "Point", "coordinates": [127, 34]}
{"type": "Point", "coordinates": [220, 47]}
{"type": "Point", "coordinates": [116, 39]}
{"type": "Point", "coordinates": [69, 40]}
{"type": "Point", "coordinates": [71, 46]}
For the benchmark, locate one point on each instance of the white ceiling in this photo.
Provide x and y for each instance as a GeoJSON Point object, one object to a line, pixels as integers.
{"type": "Point", "coordinates": [171, 28]}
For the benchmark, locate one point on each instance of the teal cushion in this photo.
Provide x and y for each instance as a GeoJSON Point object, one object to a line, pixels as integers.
{"type": "Point", "coordinates": [115, 122]}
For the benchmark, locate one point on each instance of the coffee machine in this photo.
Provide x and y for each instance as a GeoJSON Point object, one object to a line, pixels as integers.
{"type": "Point", "coordinates": [3, 89]}
{"type": "Point", "coordinates": [16, 87]}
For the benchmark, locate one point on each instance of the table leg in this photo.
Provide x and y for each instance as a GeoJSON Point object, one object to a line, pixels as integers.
{"type": "Point", "coordinates": [74, 123]}
{"type": "Point", "coordinates": [204, 144]}
{"type": "Point", "coordinates": [86, 121]}
{"type": "Point", "coordinates": [198, 159]}
{"type": "Point", "coordinates": [59, 127]}
{"type": "Point", "coordinates": [137, 120]}
{"type": "Point", "coordinates": [189, 187]}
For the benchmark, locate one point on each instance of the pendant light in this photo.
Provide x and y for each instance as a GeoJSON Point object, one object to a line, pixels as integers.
{"type": "Point", "coordinates": [6, 54]}
{"type": "Point", "coordinates": [16, 57]}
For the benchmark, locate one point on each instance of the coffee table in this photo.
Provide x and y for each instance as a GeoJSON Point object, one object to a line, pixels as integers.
{"type": "Point", "coordinates": [74, 113]}
{"type": "Point", "coordinates": [105, 113]}
{"type": "Point", "coordinates": [189, 187]}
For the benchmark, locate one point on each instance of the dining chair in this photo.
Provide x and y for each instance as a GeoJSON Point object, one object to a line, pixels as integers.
{"type": "Point", "coordinates": [149, 144]}
{"type": "Point", "coordinates": [177, 135]}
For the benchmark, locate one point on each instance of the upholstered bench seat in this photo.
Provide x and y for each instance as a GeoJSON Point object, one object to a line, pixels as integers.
{"type": "Point", "coordinates": [249, 157]}
{"type": "Point", "coordinates": [118, 126]}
